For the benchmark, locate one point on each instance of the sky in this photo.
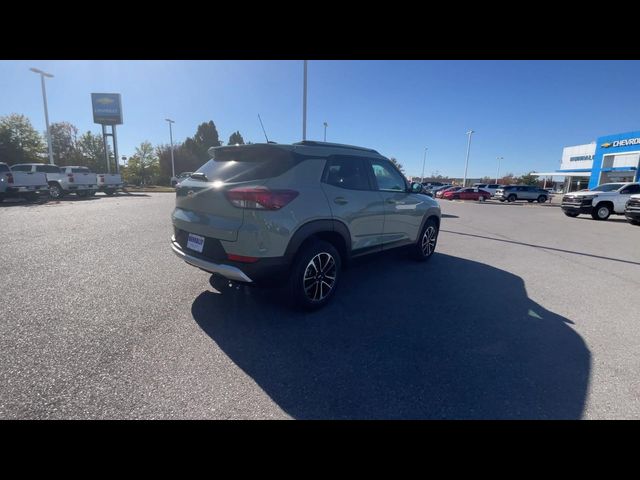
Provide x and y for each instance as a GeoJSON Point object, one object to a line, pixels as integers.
{"type": "Point", "coordinates": [523, 111]}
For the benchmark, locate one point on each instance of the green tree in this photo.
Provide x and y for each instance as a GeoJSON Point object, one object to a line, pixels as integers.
{"type": "Point", "coordinates": [90, 148]}
{"type": "Point", "coordinates": [236, 139]}
{"type": "Point", "coordinates": [397, 164]}
{"type": "Point", "coordinates": [206, 137]}
{"type": "Point", "coordinates": [64, 144]}
{"type": "Point", "coordinates": [19, 141]}
{"type": "Point", "coordinates": [528, 179]}
{"type": "Point", "coordinates": [143, 167]}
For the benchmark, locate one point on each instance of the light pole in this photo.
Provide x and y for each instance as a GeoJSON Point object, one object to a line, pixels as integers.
{"type": "Point", "coordinates": [173, 168]}
{"type": "Point", "coordinates": [466, 163]}
{"type": "Point", "coordinates": [498, 171]}
{"type": "Point", "coordinates": [325, 131]}
{"type": "Point", "coordinates": [423, 161]}
{"type": "Point", "coordinates": [46, 111]}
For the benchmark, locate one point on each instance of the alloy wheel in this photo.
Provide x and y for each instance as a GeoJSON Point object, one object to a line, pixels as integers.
{"type": "Point", "coordinates": [319, 276]}
{"type": "Point", "coordinates": [429, 241]}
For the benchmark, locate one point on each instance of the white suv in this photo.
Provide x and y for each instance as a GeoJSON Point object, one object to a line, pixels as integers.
{"type": "Point", "coordinates": [600, 202]}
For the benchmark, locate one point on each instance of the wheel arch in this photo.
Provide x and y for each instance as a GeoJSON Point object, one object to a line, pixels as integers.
{"type": "Point", "coordinates": [330, 230]}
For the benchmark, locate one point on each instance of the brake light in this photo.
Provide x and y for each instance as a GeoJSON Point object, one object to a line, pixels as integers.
{"type": "Point", "coordinates": [260, 197]}
{"type": "Point", "coordinates": [241, 258]}
{"type": "Point", "coordinates": [70, 175]}
{"type": "Point", "coordinates": [9, 177]}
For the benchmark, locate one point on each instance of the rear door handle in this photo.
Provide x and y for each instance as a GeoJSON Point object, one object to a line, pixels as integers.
{"type": "Point", "coordinates": [340, 200]}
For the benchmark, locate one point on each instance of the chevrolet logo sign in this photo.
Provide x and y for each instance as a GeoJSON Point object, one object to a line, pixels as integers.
{"type": "Point", "coordinates": [105, 100]}
{"type": "Point", "coordinates": [606, 145]}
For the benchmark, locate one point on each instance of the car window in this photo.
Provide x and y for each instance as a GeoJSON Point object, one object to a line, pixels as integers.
{"type": "Point", "coordinates": [80, 170]}
{"type": "Point", "coordinates": [387, 176]}
{"type": "Point", "coordinates": [4, 168]}
{"type": "Point", "coordinates": [346, 172]}
{"type": "Point", "coordinates": [631, 189]}
{"type": "Point", "coordinates": [21, 168]}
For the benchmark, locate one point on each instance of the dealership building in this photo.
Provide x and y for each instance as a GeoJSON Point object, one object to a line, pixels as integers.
{"type": "Point", "coordinates": [612, 158]}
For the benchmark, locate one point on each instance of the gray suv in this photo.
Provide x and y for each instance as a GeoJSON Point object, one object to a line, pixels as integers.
{"type": "Point", "coordinates": [511, 193]}
{"type": "Point", "coordinates": [274, 213]}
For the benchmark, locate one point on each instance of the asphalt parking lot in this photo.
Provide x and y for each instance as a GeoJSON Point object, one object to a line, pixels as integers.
{"type": "Point", "coordinates": [522, 313]}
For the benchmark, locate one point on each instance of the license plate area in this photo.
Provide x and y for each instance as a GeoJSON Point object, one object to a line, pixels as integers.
{"type": "Point", "coordinates": [195, 242]}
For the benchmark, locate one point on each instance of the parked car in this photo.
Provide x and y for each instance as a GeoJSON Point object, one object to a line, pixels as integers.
{"type": "Point", "coordinates": [177, 179]}
{"type": "Point", "coordinates": [469, 193]}
{"type": "Point", "coordinates": [488, 187]}
{"type": "Point", "coordinates": [85, 181]}
{"type": "Point", "coordinates": [28, 185]}
{"type": "Point", "coordinates": [272, 213]}
{"type": "Point", "coordinates": [110, 183]}
{"type": "Point", "coordinates": [530, 193]}
{"type": "Point", "coordinates": [632, 210]}
{"type": "Point", "coordinates": [60, 181]}
{"type": "Point", "coordinates": [601, 201]}
{"type": "Point", "coordinates": [442, 191]}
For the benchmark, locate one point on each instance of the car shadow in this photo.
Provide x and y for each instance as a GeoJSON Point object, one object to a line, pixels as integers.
{"type": "Point", "coordinates": [450, 339]}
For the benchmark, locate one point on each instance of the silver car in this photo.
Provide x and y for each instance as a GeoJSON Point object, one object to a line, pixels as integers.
{"type": "Point", "coordinates": [271, 213]}
{"type": "Point", "coordinates": [530, 193]}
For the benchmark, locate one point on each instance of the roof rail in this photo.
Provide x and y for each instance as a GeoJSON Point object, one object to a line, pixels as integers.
{"type": "Point", "coordinates": [312, 143]}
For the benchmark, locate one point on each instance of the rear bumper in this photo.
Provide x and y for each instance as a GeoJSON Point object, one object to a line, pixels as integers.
{"type": "Point", "coordinates": [227, 271]}
{"type": "Point", "coordinates": [40, 190]}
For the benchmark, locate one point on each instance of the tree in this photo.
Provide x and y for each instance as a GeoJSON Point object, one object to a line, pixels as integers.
{"type": "Point", "coordinates": [236, 139]}
{"type": "Point", "coordinates": [90, 148]}
{"type": "Point", "coordinates": [397, 164]}
{"type": "Point", "coordinates": [64, 144]}
{"type": "Point", "coordinates": [19, 141]}
{"type": "Point", "coordinates": [528, 179]}
{"type": "Point", "coordinates": [143, 167]}
{"type": "Point", "coordinates": [206, 137]}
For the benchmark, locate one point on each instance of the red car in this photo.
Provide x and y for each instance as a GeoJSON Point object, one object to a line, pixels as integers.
{"type": "Point", "coordinates": [467, 194]}
{"type": "Point", "coordinates": [440, 193]}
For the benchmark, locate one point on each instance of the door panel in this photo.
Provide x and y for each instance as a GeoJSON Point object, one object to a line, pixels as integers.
{"type": "Point", "coordinates": [346, 184]}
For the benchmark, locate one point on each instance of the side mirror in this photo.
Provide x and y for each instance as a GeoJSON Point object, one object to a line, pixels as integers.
{"type": "Point", "coordinates": [416, 187]}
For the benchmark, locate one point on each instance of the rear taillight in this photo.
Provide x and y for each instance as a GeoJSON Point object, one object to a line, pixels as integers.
{"type": "Point", "coordinates": [9, 177]}
{"type": "Point", "coordinates": [101, 178]}
{"type": "Point", "coordinates": [260, 197]}
{"type": "Point", "coordinates": [242, 258]}
{"type": "Point", "coordinates": [70, 176]}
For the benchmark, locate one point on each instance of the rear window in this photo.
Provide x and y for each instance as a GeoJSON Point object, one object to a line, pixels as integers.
{"type": "Point", "coordinates": [80, 170]}
{"type": "Point", "coordinates": [4, 168]}
{"type": "Point", "coordinates": [247, 163]}
{"type": "Point", "coordinates": [21, 168]}
{"type": "Point", "coordinates": [47, 169]}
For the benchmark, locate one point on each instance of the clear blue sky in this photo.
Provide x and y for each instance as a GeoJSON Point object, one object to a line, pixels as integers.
{"type": "Point", "coordinates": [524, 111]}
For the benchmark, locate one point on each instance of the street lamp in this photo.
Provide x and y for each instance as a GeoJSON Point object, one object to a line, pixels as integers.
{"type": "Point", "coordinates": [466, 163]}
{"type": "Point", "coordinates": [423, 161]}
{"type": "Point", "coordinates": [173, 168]}
{"type": "Point", "coordinates": [325, 131]}
{"type": "Point", "coordinates": [498, 171]}
{"type": "Point", "coordinates": [46, 111]}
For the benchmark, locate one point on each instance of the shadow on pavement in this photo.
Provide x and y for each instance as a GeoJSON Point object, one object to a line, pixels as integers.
{"type": "Point", "coordinates": [451, 338]}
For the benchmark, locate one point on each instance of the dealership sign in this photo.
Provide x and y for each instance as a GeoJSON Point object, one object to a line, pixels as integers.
{"type": "Point", "coordinates": [107, 108]}
{"type": "Point", "coordinates": [622, 143]}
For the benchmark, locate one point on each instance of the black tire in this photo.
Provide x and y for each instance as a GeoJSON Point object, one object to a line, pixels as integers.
{"type": "Point", "coordinates": [31, 197]}
{"type": "Point", "coordinates": [481, 198]}
{"type": "Point", "coordinates": [92, 193]}
{"type": "Point", "coordinates": [571, 214]}
{"type": "Point", "coordinates": [307, 287]}
{"type": "Point", "coordinates": [55, 191]}
{"type": "Point", "coordinates": [530, 201]}
{"type": "Point", "coordinates": [427, 241]}
{"type": "Point", "coordinates": [110, 191]}
{"type": "Point", "coordinates": [542, 199]}
{"type": "Point", "coordinates": [83, 194]}
{"type": "Point", "coordinates": [601, 212]}
{"type": "Point", "coordinates": [511, 198]}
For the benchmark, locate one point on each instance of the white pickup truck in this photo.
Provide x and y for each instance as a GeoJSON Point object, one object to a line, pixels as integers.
{"type": "Point", "coordinates": [60, 181]}
{"type": "Point", "coordinates": [110, 183]}
{"type": "Point", "coordinates": [29, 186]}
{"type": "Point", "coordinates": [85, 181]}
{"type": "Point", "coordinates": [601, 201]}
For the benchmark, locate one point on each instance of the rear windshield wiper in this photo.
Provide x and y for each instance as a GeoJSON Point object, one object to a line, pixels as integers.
{"type": "Point", "coordinates": [199, 176]}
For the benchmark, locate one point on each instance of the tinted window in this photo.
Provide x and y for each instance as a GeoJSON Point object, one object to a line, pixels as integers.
{"type": "Point", "coordinates": [248, 163]}
{"type": "Point", "coordinates": [346, 172]}
{"type": "Point", "coordinates": [493, 185]}
{"type": "Point", "coordinates": [48, 169]}
{"type": "Point", "coordinates": [387, 176]}
{"type": "Point", "coordinates": [80, 170]}
{"type": "Point", "coordinates": [21, 168]}
{"type": "Point", "coordinates": [632, 189]}
{"type": "Point", "coordinates": [4, 168]}
{"type": "Point", "coordinates": [608, 187]}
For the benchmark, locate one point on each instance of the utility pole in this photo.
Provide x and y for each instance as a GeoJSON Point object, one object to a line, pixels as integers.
{"type": "Point", "coordinates": [466, 164]}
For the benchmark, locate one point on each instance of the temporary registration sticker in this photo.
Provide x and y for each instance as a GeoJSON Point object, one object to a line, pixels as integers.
{"type": "Point", "coordinates": [195, 242]}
